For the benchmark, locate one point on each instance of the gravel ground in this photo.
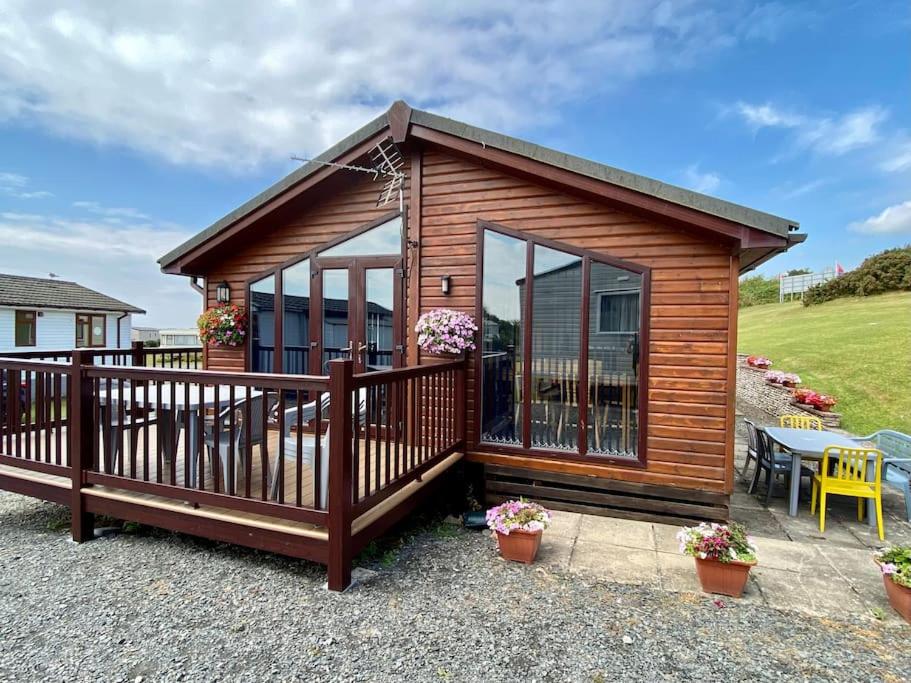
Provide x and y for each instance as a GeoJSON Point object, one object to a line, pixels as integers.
{"type": "Point", "coordinates": [149, 605]}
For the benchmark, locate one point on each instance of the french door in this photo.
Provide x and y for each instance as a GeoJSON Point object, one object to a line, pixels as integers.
{"type": "Point", "coordinates": [359, 312]}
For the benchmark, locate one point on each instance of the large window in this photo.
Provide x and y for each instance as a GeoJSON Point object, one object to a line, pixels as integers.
{"type": "Point", "coordinates": [25, 328]}
{"type": "Point", "coordinates": [262, 325]}
{"type": "Point", "coordinates": [296, 318]}
{"type": "Point", "coordinates": [90, 330]}
{"type": "Point", "coordinates": [581, 359]}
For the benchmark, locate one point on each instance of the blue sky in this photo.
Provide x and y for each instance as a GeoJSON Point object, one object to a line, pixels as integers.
{"type": "Point", "coordinates": [125, 128]}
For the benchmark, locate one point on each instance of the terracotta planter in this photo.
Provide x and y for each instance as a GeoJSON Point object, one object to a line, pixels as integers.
{"type": "Point", "coordinates": [519, 546]}
{"type": "Point", "coordinates": [724, 578]}
{"type": "Point", "coordinates": [899, 597]}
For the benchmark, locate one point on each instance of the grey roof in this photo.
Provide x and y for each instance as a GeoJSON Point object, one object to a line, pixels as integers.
{"type": "Point", "coordinates": [35, 292]}
{"type": "Point", "coordinates": [742, 215]}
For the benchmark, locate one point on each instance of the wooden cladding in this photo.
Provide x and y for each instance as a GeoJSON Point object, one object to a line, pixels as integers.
{"type": "Point", "coordinates": [690, 315]}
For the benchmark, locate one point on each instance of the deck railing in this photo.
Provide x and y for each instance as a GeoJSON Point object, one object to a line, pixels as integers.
{"type": "Point", "coordinates": [137, 355]}
{"type": "Point", "coordinates": [318, 450]}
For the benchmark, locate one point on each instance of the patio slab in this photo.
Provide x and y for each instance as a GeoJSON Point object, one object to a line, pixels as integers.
{"type": "Point", "coordinates": [615, 563]}
{"type": "Point", "coordinates": [821, 592]}
{"type": "Point", "coordinates": [622, 532]}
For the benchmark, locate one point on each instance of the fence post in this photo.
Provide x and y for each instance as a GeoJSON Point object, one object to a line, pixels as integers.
{"type": "Point", "coordinates": [80, 443]}
{"type": "Point", "coordinates": [341, 421]}
{"type": "Point", "coordinates": [461, 407]}
{"type": "Point", "coordinates": [138, 357]}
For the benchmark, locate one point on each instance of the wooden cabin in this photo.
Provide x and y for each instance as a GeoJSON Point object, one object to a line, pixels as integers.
{"type": "Point", "coordinates": [603, 380]}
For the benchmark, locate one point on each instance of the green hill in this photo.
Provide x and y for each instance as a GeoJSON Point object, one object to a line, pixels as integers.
{"type": "Point", "coordinates": [857, 349]}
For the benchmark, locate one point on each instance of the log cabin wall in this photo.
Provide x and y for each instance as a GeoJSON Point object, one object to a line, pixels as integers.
{"type": "Point", "coordinates": [690, 412]}
{"type": "Point", "coordinates": [690, 435]}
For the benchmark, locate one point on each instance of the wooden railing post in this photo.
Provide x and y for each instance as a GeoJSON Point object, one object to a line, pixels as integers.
{"type": "Point", "coordinates": [461, 407]}
{"type": "Point", "coordinates": [80, 443]}
{"type": "Point", "coordinates": [341, 424]}
{"type": "Point", "coordinates": [138, 357]}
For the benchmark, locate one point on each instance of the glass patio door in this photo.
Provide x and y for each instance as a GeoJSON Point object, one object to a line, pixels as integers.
{"type": "Point", "coordinates": [360, 312]}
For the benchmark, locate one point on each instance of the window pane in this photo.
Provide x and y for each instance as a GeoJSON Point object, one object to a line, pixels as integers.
{"type": "Point", "coordinates": [97, 331]}
{"type": "Point", "coordinates": [262, 325]}
{"type": "Point", "coordinates": [613, 361]}
{"type": "Point", "coordinates": [556, 320]}
{"type": "Point", "coordinates": [82, 331]}
{"type": "Point", "coordinates": [501, 342]}
{"type": "Point", "coordinates": [296, 318]}
{"type": "Point", "coordinates": [25, 328]}
{"type": "Point", "coordinates": [335, 316]}
{"type": "Point", "coordinates": [383, 239]}
{"type": "Point", "coordinates": [378, 335]}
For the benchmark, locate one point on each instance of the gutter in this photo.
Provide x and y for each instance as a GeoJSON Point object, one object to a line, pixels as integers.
{"type": "Point", "coordinates": [197, 287]}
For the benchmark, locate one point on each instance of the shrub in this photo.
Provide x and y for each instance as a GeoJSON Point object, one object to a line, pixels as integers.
{"type": "Point", "coordinates": [757, 290]}
{"type": "Point", "coordinates": [888, 271]}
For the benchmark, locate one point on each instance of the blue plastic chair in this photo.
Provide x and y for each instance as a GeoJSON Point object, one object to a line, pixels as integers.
{"type": "Point", "coordinates": [896, 448]}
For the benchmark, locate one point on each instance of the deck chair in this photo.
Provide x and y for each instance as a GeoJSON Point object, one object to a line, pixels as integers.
{"type": "Point", "coordinates": [289, 443]}
{"type": "Point", "coordinates": [115, 429]}
{"type": "Point", "coordinates": [222, 425]}
{"type": "Point", "coordinates": [774, 463]}
{"type": "Point", "coordinates": [752, 448]}
{"type": "Point", "coordinates": [800, 422]}
{"type": "Point", "coordinates": [850, 477]}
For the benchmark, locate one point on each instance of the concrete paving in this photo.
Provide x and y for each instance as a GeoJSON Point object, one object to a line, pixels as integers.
{"type": "Point", "coordinates": [814, 578]}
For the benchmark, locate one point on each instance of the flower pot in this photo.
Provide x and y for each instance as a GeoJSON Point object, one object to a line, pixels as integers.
{"type": "Point", "coordinates": [446, 356]}
{"type": "Point", "coordinates": [519, 546]}
{"type": "Point", "coordinates": [899, 597]}
{"type": "Point", "coordinates": [724, 578]}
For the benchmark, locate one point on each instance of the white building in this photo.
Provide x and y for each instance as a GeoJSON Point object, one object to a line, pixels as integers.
{"type": "Point", "coordinates": [144, 334]}
{"type": "Point", "coordinates": [188, 336]}
{"type": "Point", "coordinates": [38, 314]}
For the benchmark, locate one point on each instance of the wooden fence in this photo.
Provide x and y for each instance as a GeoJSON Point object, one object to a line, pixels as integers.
{"type": "Point", "coordinates": [318, 452]}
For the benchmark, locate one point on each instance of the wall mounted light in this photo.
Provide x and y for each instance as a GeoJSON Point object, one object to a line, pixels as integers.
{"type": "Point", "coordinates": [445, 284]}
{"type": "Point", "coordinates": [222, 293]}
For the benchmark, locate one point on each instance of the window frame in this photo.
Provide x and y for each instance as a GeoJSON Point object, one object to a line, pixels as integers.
{"type": "Point", "coordinates": [618, 292]}
{"type": "Point", "coordinates": [588, 256]}
{"type": "Point", "coordinates": [104, 330]}
{"type": "Point", "coordinates": [318, 262]}
{"type": "Point", "coordinates": [33, 323]}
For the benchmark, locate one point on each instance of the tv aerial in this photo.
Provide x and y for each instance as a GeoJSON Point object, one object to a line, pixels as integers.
{"type": "Point", "coordinates": [386, 162]}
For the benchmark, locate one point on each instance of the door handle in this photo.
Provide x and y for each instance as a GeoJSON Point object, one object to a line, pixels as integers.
{"type": "Point", "coordinates": [362, 347]}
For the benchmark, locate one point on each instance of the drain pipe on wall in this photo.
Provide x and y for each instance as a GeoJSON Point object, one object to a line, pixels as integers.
{"type": "Point", "coordinates": [198, 287]}
{"type": "Point", "coordinates": [125, 314]}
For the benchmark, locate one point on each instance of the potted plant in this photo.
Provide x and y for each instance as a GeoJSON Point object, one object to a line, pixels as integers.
{"type": "Point", "coordinates": [895, 565]}
{"type": "Point", "coordinates": [518, 526]}
{"type": "Point", "coordinates": [724, 556]}
{"type": "Point", "coordinates": [223, 325]}
{"type": "Point", "coordinates": [446, 333]}
{"type": "Point", "coordinates": [820, 402]}
{"type": "Point", "coordinates": [760, 362]}
{"type": "Point", "coordinates": [786, 379]}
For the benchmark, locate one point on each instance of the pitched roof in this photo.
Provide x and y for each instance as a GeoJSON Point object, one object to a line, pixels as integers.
{"type": "Point", "coordinates": [35, 292]}
{"type": "Point", "coordinates": [736, 213]}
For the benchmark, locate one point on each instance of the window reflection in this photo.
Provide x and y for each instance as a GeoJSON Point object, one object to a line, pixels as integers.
{"type": "Point", "coordinates": [383, 239]}
{"type": "Point", "coordinates": [262, 325]}
{"type": "Point", "coordinates": [335, 316]}
{"type": "Point", "coordinates": [501, 342]}
{"type": "Point", "coordinates": [296, 318]}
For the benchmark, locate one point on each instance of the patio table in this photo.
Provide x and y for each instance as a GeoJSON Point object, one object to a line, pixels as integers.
{"type": "Point", "coordinates": [809, 444]}
{"type": "Point", "coordinates": [184, 401]}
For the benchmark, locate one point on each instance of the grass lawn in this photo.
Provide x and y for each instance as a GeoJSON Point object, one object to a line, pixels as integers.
{"type": "Point", "coordinates": [858, 350]}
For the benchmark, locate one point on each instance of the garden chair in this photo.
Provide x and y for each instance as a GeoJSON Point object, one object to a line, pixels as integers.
{"type": "Point", "coordinates": [774, 463]}
{"type": "Point", "coordinates": [896, 448]}
{"type": "Point", "coordinates": [800, 422]}
{"type": "Point", "coordinates": [116, 427]}
{"type": "Point", "coordinates": [850, 477]}
{"type": "Point", "coordinates": [222, 425]}
{"type": "Point", "coordinates": [752, 447]}
{"type": "Point", "coordinates": [289, 443]}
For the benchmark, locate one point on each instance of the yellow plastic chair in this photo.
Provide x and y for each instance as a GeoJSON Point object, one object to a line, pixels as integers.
{"type": "Point", "coordinates": [849, 477]}
{"type": "Point", "coordinates": [800, 422]}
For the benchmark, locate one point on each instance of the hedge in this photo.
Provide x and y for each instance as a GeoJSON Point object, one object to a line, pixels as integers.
{"type": "Point", "coordinates": [888, 271]}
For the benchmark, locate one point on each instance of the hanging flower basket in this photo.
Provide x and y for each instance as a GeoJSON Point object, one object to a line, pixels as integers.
{"type": "Point", "coordinates": [224, 325]}
{"type": "Point", "coordinates": [446, 333]}
{"type": "Point", "coordinates": [518, 526]}
{"type": "Point", "coordinates": [724, 556]}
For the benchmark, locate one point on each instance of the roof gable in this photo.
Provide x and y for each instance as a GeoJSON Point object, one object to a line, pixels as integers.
{"type": "Point", "coordinates": [647, 194]}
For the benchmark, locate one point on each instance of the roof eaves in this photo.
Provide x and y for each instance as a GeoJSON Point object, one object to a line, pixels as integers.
{"type": "Point", "coordinates": [671, 193]}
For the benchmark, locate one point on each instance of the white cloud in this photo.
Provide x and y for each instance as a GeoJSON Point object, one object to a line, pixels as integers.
{"type": "Point", "coordinates": [111, 212]}
{"type": "Point", "coordinates": [832, 136]}
{"type": "Point", "coordinates": [705, 182]}
{"type": "Point", "coordinates": [794, 191]}
{"type": "Point", "coordinates": [892, 220]}
{"type": "Point", "coordinates": [235, 84]}
{"type": "Point", "coordinates": [15, 184]}
{"type": "Point", "coordinates": [119, 260]}
{"type": "Point", "coordinates": [899, 158]}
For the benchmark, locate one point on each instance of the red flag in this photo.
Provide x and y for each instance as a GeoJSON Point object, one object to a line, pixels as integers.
{"type": "Point", "coordinates": [838, 269]}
